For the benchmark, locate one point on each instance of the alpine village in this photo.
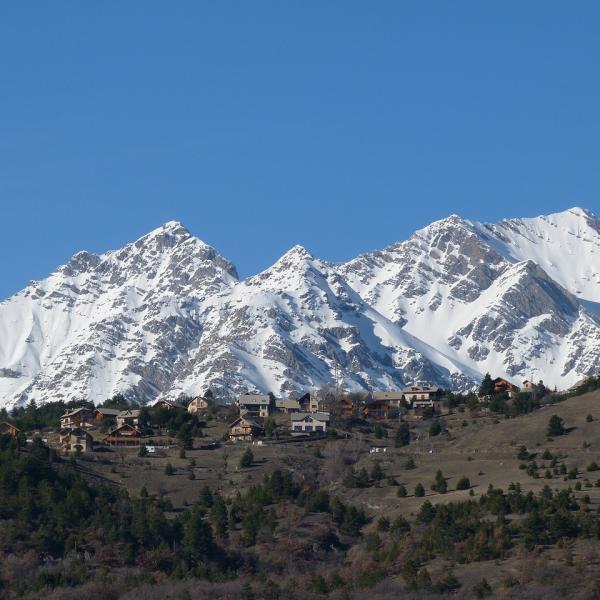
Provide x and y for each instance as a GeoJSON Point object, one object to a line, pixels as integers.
{"type": "Point", "coordinates": [415, 492]}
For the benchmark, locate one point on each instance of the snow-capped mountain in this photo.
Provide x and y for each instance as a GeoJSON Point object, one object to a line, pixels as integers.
{"type": "Point", "coordinates": [167, 315]}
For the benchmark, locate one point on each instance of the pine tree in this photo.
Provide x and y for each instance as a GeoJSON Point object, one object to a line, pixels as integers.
{"type": "Point", "coordinates": [419, 490]}
{"type": "Point", "coordinates": [555, 426]}
{"type": "Point", "coordinates": [377, 473]}
{"type": "Point", "coordinates": [197, 536]}
{"type": "Point", "coordinates": [402, 435]}
{"type": "Point", "coordinates": [435, 429]}
{"type": "Point", "coordinates": [439, 485]}
{"type": "Point", "coordinates": [218, 516]}
{"type": "Point", "coordinates": [247, 459]}
{"type": "Point", "coordinates": [487, 386]}
{"type": "Point", "coordinates": [463, 483]}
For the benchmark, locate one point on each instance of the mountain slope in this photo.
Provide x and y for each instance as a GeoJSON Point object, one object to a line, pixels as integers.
{"type": "Point", "coordinates": [288, 328]}
{"type": "Point", "coordinates": [121, 321]}
{"type": "Point", "coordinates": [167, 315]}
{"type": "Point", "coordinates": [475, 290]}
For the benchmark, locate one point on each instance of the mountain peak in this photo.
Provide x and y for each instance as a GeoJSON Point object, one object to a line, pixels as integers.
{"type": "Point", "coordinates": [579, 211]}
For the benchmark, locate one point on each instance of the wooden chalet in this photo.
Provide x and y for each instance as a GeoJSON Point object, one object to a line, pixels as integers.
{"type": "Point", "coordinates": [377, 409]}
{"type": "Point", "coordinates": [197, 405]}
{"type": "Point", "coordinates": [7, 428]}
{"type": "Point", "coordinates": [287, 406]}
{"type": "Point", "coordinates": [77, 417]}
{"type": "Point", "coordinates": [309, 403]}
{"type": "Point", "coordinates": [124, 435]}
{"type": "Point", "coordinates": [100, 414]}
{"type": "Point", "coordinates": [244, 429]}
{"type": "Point", "coordinates": [346, 407]}
{"type": "Point", "coordinates": [130, 416]}
{"type": "Point", "coordinates": [394, 399]}
{"type": "Point", "coordinates": [254, 405]}
{"type": "Point", "coordinates": [503, 385]}
{"type": "Point", "coordinates": [75, 439]}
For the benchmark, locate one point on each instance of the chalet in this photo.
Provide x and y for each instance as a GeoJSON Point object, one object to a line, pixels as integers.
{"type": "Point", "coordinates": [197, 405]}
{"type": "Point", "coordinates": [254, 405]}
{"type": "Point", "coordinates": [106, 413]}
{"type": "Point", "coordinates": [287, 406]}
{"type": "Point", "coordinates": [346, 407]}
{"type": "Point", "coordinates": [420, 396]}
{"type": "Point", "coordinates": [76, 417]}
{"type": "Point", "coordinates": [130, 416]}
{"type": "Point", "coordinates": [503, 385]}
{"type": "Point", "coordinates": [393, 398]}
{"type": "Point", "coordinates": [309, 403]}
{"type": "Point", "coordinates": [169, 405]}
{"type": "Point", "coordinates": [75, 440]}
{"type": "Point", "coordinates": [244, 429]}
{"type": "Point", "coordinates": [124, 435]}
{"type": "Point", "coordinates": [376, 409]}
{"type": "Point", "coordinates": [309, 423]}
{"type": "Point", "coordinates": [7, 428]}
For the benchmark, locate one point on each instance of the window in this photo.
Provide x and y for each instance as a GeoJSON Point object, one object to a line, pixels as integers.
{"type": "Point", "coordinates": [319, 428]}
{"type": "Point", "coordinates": [308, 428]}
{"type": "Point", "coordinates": [297, 427]}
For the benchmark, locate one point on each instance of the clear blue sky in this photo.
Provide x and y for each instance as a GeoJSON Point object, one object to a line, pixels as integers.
{"type": "Point", "coordinates": [342, 126]}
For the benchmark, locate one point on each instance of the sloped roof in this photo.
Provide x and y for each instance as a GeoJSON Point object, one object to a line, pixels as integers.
{"type": "Point", "coordinates": [248, 421]}
{"type": "Point", "coordinates": [254, 399]}
{"type": "Point", "coordinates": [394, 395]}
{"type": "Point", "coordinates": [108, 411]}
{"type": "Point", "coordinates": [132, 414]}
{"type": "Point", "coordinates": [423, 389]}
{"type": "Point", "coordinates": [287, 404]}
{"type": "Point", "coordinates": [124, 426]}
{"type": "Point", "coordinates": [316, 416]}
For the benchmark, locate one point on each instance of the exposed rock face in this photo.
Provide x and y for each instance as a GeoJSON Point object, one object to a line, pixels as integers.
{"type": "Point", "coordinates": [167, 315]}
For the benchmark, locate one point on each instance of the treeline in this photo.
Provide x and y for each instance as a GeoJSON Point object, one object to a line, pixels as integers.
{"type": "Point", "coordinates": [42, 416]}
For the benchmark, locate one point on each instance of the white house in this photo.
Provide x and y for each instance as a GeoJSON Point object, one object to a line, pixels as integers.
{"type": "Point", "coordinates": [303, 422]}
{"type": "Point", "coordinates": [420, 396]}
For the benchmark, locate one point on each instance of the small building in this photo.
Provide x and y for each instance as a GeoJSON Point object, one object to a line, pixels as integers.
{"type": "Point", "coordinates": [74, 440]}
{"type": "Point", "coordinates": [124, 435]}
{"type": "Point", "coordinates": [169, 405]}
{"type": "Point", "coordinates": [393, 398]}
{"type": "Point", "coordinates": [287, 406]}
{"type": "Point", "coordinates": [530, 385]}
{"type": "Point", "coordinates": [7, 428]}
{"type": "Point", "coordinates": [244, 429]}
{"type": "Point", "coordinates": [309, 403]}
{"type": "Point", "coordinates": [100, 414]}
{"type": "Point", "coordinates": [254, 405]}
{"type": "Point", "coordinates": [77, 417]}
{"type": "Point", "coordinates": [420, 396]}
{"type": "Point", "coordinates": [129, 416]}
{"type": "Point", "coordinates": [197, 405]}
{"type": "Point", "coordinates": [503, 385]}
{"type": "Point", "coordinates": [311, 423]}
{"type": "Point", "coordinates": [376, 409]}
{"type": "Point", "coordinates": [346, 407]}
